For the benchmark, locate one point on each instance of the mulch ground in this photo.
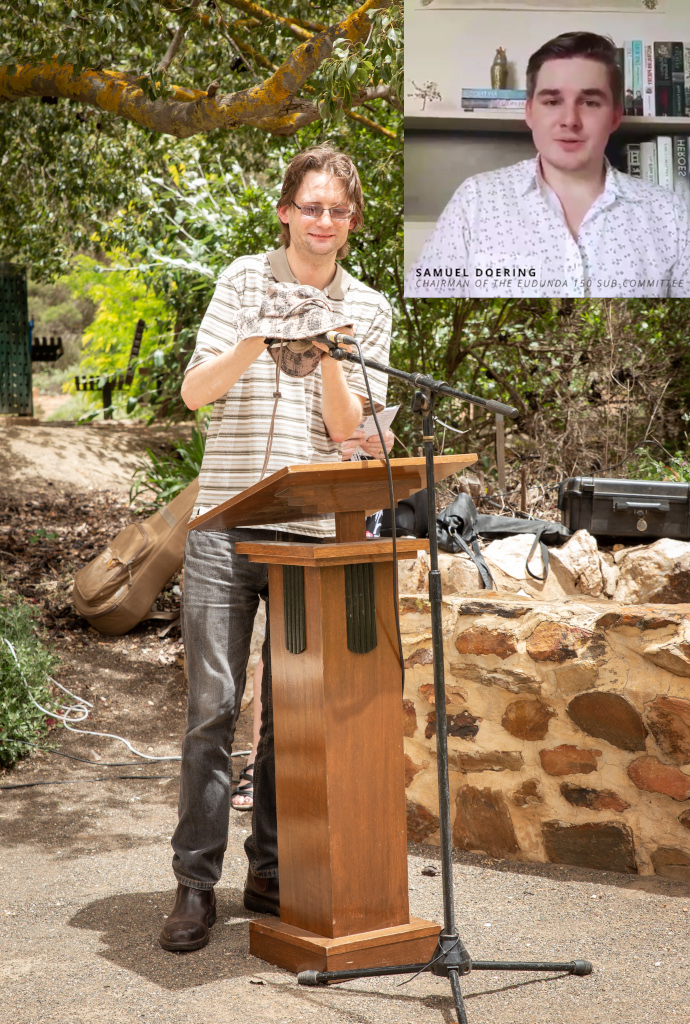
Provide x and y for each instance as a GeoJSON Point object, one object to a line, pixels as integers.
{"type": "Point", "coordinates": [45, 540]}
{"type": "Point", "coordinates": [135, 682]}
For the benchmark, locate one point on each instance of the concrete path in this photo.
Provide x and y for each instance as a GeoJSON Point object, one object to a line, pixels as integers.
{"type": "Point", "coordinates": [88, 882]}
{"type": "Point", "coordinates": [67, 457]}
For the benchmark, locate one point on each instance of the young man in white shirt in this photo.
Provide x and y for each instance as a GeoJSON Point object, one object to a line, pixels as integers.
{"type": "Point", "coordinates": [565, 223]}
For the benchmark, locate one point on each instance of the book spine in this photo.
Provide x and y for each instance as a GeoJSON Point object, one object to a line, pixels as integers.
{"type": "Point", "coordinates": [620, 61]}
{"type": "Point", "coordinates": [649, 106]}
{"type": "Point", "coordinates": [495, 94]}
{"type": "Point", "coordinates": [686, 61]}
{"type": "Point", "coordinates": [663, 81]}
{"type": "Point", "coordinates": [649, 162]}
{"type": "Point", "coordinates": [628, 108]}
{"type": "Point", "coordinates": [479, 104]}
{"type": "Point", "coordinates": [634, 158]}
{"type": "Point", "coordinates": [637, 77]}
{"type": "Point", "coordinates": [681, 181]}
{"type": "Point", "coordinates": [664, 145]}
{"type": "Point", "coordinates": [678, 80]}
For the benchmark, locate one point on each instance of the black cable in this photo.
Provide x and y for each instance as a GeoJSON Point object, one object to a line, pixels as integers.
{"type": "Point", "coordinates": [430, 963]}
{"type": "Point", "coordinates": [71, 782]}
{"type": "Point", "coordinates": [73, 757]}
{"type": "Point", "coordinates": [391, 496]}
{"type": "Point", "coordinates": [5, 741]}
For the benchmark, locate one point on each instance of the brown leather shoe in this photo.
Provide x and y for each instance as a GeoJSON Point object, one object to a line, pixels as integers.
{"type": "Point", "coordinates": [262, 895]}
{"type": "Point", "coordinates": [191, 918]}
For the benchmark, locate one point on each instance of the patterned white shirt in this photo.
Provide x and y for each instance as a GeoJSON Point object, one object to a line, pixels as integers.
{"type": "Point", "coordinates": [504, 233]}
{"type": "Point", "coordinates": [238, 432]}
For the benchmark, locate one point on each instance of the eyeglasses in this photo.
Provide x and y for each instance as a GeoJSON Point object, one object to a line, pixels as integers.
{"type": "Point", "coordinates": [312, 211]}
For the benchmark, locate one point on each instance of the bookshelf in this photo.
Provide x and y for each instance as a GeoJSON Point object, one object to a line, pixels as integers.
{"type": "Point", "coordinates": [513, 121]}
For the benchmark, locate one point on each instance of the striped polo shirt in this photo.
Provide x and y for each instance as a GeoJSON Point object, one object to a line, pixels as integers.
{"type": "Point", "coordinates": [237, 436]}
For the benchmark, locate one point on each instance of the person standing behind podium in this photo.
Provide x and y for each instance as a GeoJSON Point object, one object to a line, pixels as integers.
{"type": "Point", "coordinates": [565, 223]}
{"type": "Point", "coordinates": [320, 203]}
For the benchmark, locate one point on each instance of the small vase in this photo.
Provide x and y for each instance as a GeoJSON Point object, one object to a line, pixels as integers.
{"type": "Point", "coordinates": [499, 70]}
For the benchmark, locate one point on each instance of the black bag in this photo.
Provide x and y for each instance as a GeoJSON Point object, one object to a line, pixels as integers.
{"type": "Point", "coordinates": [411, 517]}
{"type": "Point", "coordinates": [459, 527]}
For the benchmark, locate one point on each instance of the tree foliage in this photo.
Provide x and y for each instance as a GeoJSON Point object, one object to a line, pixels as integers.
{"type": "Point", "coordinates": [121, 300]}
{"type": "Point", "coordinates": [68, 166]}
{"type": "Point", "coordinates": [167, 65]}
{"type": "Point", "coordinates": [591, 379]}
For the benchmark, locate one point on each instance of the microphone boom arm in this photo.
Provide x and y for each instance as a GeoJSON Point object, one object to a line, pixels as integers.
{"type": "Point", "coordinates": [421, 380]}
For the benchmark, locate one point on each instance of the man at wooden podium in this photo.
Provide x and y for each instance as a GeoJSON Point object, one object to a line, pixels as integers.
{"type": "Point", "coordinates": [302, 419]}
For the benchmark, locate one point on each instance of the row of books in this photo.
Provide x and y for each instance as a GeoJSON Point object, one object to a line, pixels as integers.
{"type": "Point", "coordinates": [656, 78]}
{"type": "Point", "coordinates": [493, 99]}
{"type": "Point", "coordinates": [663, 161]}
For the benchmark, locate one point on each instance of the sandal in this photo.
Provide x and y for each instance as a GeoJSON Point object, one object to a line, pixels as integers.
{"type": "Point", "coordinates": [245, 788]}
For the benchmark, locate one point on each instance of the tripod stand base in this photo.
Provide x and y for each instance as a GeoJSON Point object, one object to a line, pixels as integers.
{"type": "Point", "coordinates": [580, 968]}
{"type": "Point", "coordinates": [295, 949]}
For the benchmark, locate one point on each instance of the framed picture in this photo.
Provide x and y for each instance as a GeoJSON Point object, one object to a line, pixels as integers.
{"type": "Point", "coordinates": [596, 6]}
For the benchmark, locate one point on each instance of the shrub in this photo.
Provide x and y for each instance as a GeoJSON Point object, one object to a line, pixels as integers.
{"type": "Point", "coordinates": [164, 476]}
{"type": "Point", "coordinates": [20, 719]}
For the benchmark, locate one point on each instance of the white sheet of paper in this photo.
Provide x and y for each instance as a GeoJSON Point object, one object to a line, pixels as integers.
{"type": "Point", "coordinates": [385, 418]}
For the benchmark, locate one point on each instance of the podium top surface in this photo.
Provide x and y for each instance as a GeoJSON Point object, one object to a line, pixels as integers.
{"type": "Point", "coordinates": [296, 493]}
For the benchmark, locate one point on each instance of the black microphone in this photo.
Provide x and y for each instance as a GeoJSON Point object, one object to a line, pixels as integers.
{"type": "Point", "coordinates": [334, 339]}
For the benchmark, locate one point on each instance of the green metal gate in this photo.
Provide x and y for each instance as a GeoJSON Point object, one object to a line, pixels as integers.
{"type": "Point", "coordinates": [15, 347]}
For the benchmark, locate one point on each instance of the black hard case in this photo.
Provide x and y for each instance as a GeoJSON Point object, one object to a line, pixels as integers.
{"type": "Point", "coordinates": [643, 509]}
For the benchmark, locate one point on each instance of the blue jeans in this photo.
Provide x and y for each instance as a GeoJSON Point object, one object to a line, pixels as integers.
{"type": "Point", "coordinates": [221, 595]}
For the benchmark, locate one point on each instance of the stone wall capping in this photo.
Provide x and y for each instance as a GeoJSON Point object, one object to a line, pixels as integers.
{"type": "Point", "coordinates": [626, 551]}
{"type": "Point", "coordinates": [674, 657]}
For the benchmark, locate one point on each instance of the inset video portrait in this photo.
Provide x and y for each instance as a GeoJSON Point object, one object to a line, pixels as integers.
{"type": "Point", "coordinates": [565, 221]}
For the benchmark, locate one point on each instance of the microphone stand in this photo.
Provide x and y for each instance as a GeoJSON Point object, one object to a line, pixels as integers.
{"type": "Point", "coordinates": [451, 959]}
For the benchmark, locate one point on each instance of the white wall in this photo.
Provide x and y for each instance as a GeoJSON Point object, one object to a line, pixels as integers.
{"type": "Point", "coordinates": [455, 48]}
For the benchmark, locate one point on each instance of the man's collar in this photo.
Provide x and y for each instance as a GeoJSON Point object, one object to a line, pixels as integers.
{"type": "Point", "coordinates": [616, 184]}
{"type": "Point", "coordinates": [623, 186]}
{"type": "Point", "coordinates": [529, 175]}
{"type": "Point", "coordinates": [280, 268]}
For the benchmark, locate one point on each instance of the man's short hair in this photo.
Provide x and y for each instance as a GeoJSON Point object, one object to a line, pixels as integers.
{"type": "Point", "coordinates": [578, 44]}
{"type": "Point", "coordinates": [322, 158]}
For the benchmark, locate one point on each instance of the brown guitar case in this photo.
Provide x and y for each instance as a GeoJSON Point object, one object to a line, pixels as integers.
{"type": "Point", "coordinates": [117, 588]}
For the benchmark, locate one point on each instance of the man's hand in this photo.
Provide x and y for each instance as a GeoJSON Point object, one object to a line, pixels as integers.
{"type": "Point", "coordinates": [341, 409]}
{"type": "Point", "coordinates": [371, 445]}
{"type": "Point", "coordinates": [326, 348]}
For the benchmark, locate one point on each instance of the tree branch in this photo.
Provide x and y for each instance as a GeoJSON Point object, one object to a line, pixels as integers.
{"type": "Point", "coordinates": [174, 44]}
{"type": "Point", "coordinates": [243, 47]}
{"type": "Point", "coordinates": [372, 125]}
{"type": "Point", "coordinates": [296, 25]}
{"type": "Point", "coordinates": [377, 92]}
{"type": "Point", "coordinates": [272, 105]}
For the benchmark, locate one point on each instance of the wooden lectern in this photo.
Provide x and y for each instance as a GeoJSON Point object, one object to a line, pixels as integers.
{"type": "Point", "coordinates": [337, 707]}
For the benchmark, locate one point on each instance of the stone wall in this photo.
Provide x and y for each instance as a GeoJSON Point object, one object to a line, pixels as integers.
{"type": "Point", "coordinates": [568, 723]}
